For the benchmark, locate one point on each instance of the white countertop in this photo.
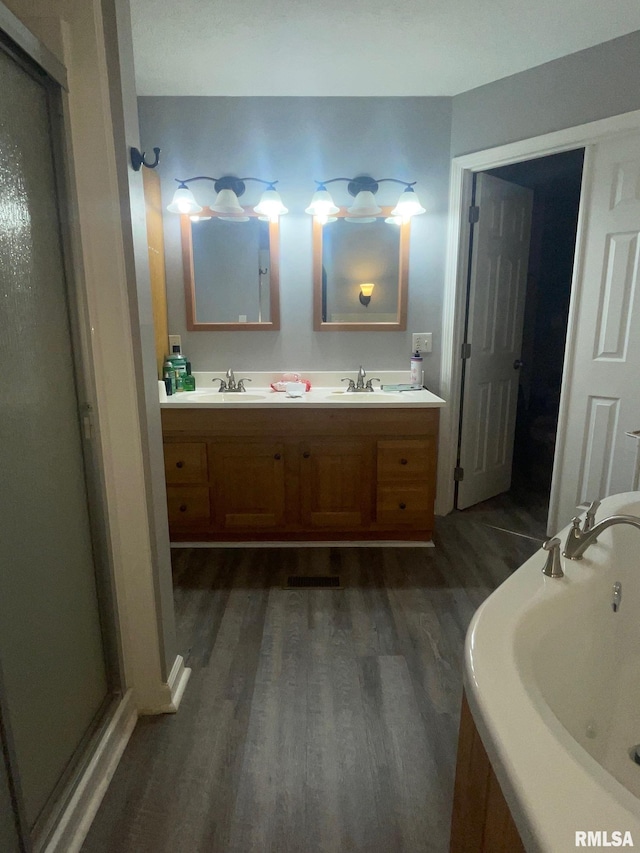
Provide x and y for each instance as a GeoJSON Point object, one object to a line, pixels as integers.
{"type": "Point", "coordinates": [327, 391]}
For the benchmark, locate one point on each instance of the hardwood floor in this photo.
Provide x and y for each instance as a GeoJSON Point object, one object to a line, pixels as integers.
{"type": "Point", "coordinates": [314, 720]}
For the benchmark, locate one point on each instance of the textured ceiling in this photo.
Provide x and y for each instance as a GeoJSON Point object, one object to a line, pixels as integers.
{"type": "Point", "coordinates": [358, 47]}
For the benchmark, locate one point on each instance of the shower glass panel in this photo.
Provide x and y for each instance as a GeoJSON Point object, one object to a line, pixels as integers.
{"type": "Point", "coordinates": [9, 842]}
{"type": "Point", "coordinates": [51, 647]}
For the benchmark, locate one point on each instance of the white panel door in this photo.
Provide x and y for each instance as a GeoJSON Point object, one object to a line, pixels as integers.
{"type": "Point", "coordinates": [497, 295]}
{"type": "Point", "coordinates": [601, 387]}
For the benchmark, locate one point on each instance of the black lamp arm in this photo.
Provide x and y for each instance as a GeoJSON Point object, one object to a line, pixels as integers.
{"type": "Point", "coordinates": [364, 179]}
{"type": "Point", "coordinates": [226, 182]}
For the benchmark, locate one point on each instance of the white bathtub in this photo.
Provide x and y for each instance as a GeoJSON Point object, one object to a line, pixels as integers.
{"type": "Point", "coordinates": [552, 676]}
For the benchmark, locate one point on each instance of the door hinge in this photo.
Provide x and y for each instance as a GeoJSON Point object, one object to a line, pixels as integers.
{"type": "Point", "coordinates": [87, 421]}
{"type": "Point", "coordinates": [474, 213]}
{"type": "Point", "coordinates": [458, 474]}
{"type": "Point", "coordinates": [465, 351]}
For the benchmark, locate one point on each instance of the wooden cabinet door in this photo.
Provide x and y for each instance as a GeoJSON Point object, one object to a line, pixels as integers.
{"type": "Point", "coordinates": [335, 483]}
{"type": "Point", "coordinates": [185, 462]}
{"type": "Point", "coordinates": [247, 479]}
{"type": "Point", "coordinates": [188, 508]}
{"type": "Point", "coordinates": [406, 478]}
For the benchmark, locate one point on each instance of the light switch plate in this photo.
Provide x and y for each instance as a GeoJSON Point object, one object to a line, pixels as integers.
{"type": "Point", "coordinates": [421, 341]}
{"type": "Point", "coordinates": [174, 341]}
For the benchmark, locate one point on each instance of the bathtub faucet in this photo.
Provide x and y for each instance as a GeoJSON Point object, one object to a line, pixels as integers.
{"type": "Point", "coordinates": [579, 540]}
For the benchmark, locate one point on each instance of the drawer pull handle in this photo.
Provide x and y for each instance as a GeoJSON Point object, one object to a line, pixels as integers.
{"type": "Point", "coordinates": [277, 456]}
{"type": "Point", "coordinates": [306, 454]}
{"type": "Point", "coordinates": [403, 506]}
{"type": "Point", "coordinates": [403, 461]}
{"type": "Point", "coordinates": [180, 464]}
{"type": "Point", "coordinates": [183, 507]}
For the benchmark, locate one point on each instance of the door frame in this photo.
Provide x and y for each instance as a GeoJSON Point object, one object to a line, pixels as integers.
{"type": "Point", "coordinates": [457, 265]}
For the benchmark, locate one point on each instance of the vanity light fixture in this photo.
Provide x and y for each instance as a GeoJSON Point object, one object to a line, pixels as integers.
{"type": "Point", "coordinates": [365, 293]}
{"type": "Point", "coordinates": [226, 205]}
{"type": "Point", "coordinates": [364, 207]}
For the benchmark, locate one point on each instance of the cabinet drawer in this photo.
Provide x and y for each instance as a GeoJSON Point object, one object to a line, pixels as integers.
{"type": "Point", "coordinates": [405, 504]}
{"type": "Point", "coordinates": [188, 505]}
{"type": "Point", "coordinates": [404, 459]}
{"type": "Point", "coordinates": [185, 462]}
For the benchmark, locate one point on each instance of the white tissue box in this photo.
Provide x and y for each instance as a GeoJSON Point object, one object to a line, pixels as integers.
{"type": "Point", "coordinates": [295, 389]}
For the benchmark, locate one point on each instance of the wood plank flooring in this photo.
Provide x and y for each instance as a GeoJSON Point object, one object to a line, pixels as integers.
{"type": "Point", "coordinates": [315, 721]}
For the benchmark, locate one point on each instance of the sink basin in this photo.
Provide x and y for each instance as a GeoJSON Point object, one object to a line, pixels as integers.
{"type": "Point", "coordinates": [354, 394]}
{"type": "Point", "coordinates": [363, 396]}
{"type": "Point", "coordinates": [242, 397]}
{"type": "Point", "coordinates": [197, 397]}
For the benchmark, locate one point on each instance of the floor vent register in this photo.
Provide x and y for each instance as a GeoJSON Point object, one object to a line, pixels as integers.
{"type": "Point", "coordinates": [313, 582]}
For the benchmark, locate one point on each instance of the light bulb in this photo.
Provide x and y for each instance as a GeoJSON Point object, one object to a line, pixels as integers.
{"type": "Point", "coordinates": [364, 205]}
{"type": "Point", "coordinates": [270, 205]}
{"type": "Point", "coordinates": [322, 204]}
{"type": "Point", "coordinates": [408, 205]}
{"type": "Point", "coordinates": [227, 203]}
{"type": "Point", "coordinates": [183, 201]}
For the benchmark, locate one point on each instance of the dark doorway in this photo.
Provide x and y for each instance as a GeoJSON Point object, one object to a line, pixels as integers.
{"type": "Point", "coordinates": [556, 183]}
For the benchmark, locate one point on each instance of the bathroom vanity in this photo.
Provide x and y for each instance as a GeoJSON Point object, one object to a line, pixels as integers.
{"type": "Point", "coordinates": [329, 467]}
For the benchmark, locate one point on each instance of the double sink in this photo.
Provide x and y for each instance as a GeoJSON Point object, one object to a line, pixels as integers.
{"type": "Point", "coordinates": [326, 392]}
{"type": "Point", "coordinates": [316, 398]}
{"type": "Point", "coordinates": [240, 397]}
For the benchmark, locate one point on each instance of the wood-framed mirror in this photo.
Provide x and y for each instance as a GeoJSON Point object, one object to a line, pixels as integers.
{"type": "Point", "coordinates": [347, 255]}
{"type": "Point", "coordinates": [231, 272]}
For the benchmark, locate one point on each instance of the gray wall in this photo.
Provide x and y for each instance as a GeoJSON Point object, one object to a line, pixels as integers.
{"type": "Point", "coordinates": [596, 83]}
{"type": "Point", "coordinates": [297, 140]}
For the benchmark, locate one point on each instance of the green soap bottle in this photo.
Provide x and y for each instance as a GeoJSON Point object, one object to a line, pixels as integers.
{"type": "Point", "coordinates": [179, 363]}
{"type": "Point", "coordinates": [189, 380]}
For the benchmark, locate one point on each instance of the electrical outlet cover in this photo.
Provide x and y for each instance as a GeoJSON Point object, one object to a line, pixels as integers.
{"type": "Point", "coordinates": [421, 341]}
{"type": "Point", "coordinates": [174, 341]}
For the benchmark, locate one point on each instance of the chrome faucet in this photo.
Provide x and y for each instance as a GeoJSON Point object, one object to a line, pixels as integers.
{"type": "Point", "coordinates": [230, 385]}
{"type": "Point", "coordinates": [590, 517]}
{"type": "Point", "coordinates": [579, 540]}
{"type": "Point", "coordinates": [553, 567]}
{"type": "Point", "coordinates": [360, 384]}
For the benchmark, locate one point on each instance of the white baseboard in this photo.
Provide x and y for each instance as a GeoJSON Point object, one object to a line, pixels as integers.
{"type": "Point", "coordinates": [177, 681]}
{"type": "Point", "coordinates": [81, 809]}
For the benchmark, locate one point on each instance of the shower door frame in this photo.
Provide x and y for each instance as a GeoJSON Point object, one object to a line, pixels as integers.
{"type": "Point", "coordinates": [18, 43]}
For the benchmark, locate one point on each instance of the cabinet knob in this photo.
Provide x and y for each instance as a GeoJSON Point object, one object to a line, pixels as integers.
{"type": "Point", "coordinates": [277, 456]}
{"type": "Point", "coordinates": [306, 454]}
{"type": "Point", "coordinates": [183, 507]}
{"type": "Point", "coordinates": [403, 506]}
{"type": "Point", "coordinates": [403, 461]}
{"type": "Point", "coordinates": [180, 464]}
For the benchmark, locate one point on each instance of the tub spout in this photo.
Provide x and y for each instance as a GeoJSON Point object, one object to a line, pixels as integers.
{"type": "Point", "coordinates": [579, 540]}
